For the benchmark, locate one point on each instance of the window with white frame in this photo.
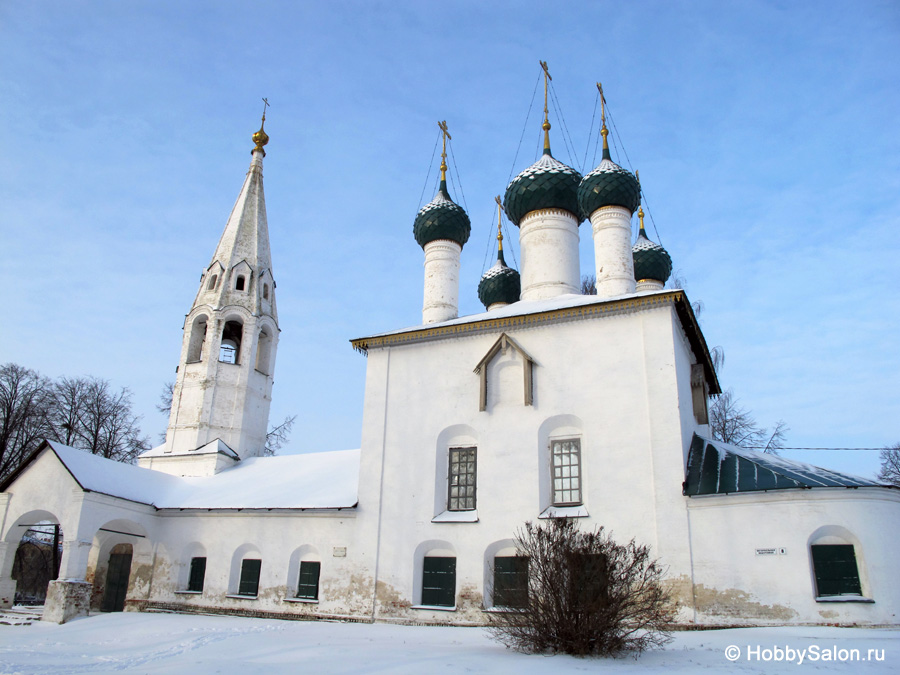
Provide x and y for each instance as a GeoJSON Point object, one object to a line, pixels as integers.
{"type": "Point", "coordinates": [566, 471]}
{"type": "Point", "coordinates": [462, 483]}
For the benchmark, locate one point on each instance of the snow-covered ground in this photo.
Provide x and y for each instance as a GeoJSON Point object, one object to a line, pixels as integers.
{"type": "Point", "coordinates": [169, 643]}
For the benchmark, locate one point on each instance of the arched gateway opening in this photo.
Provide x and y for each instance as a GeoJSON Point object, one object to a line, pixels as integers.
{"type": "Point", "coordinates": [37, 561]}
{"type": "Point", "coordinates": [118, 571]}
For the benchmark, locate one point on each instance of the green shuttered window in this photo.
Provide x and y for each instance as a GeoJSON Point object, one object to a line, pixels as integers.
{"type": "Point", "coordinates": [439, 582]}
{"type": "Point", "coordinates": [308, 588]}
{"type": "Point", "coordinates": [249, 577]}
{"type": "Point", "coordinates": [836, 571]}
{"type": "Point", "coordinates": [198, 573]}
{"type": "Point", "coordinates": [510, 581]}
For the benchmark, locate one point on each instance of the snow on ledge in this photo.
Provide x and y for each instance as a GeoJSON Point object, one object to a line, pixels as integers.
{"type": "Point", "coordinates": [844, 598]}
{"type": "Point", "coordinates": [456, 517]}
{"type": "Point", "coordinates": [564, 512]}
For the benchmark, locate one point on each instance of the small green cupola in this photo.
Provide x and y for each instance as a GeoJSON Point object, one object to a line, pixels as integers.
{"type": "Point", "coordinates": [652, 263]}
{"type": "Point", "coordinates": [500, 285]}
{"type": "Point", "coordinates": [546, 184]}
{"type": "Point", "coordinates": [442, 218]}
{"type": "Point", "coordinates": [609, 184]}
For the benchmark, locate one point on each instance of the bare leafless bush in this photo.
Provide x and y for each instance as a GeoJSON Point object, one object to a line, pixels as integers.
{"type": "Point", "coordinates": [587, 595]}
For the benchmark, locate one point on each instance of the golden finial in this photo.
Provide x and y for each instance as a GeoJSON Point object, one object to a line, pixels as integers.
{"type": "Point", "coordinates": [641, 219]}
{"type": "Point", "coordinates": [603, 130]}
{"type": "Point", "coordinates": [546, 125]}
{"type": "Point", "coordinates": [499, 223]}
{"type": "Point", "coordinates": [261, 137]}
{"type": "Point", "coordinates": [446, 135]}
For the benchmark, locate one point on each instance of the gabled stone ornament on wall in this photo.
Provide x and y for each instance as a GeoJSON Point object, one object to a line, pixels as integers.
{"type": "Point", "coordinates": [223, 387]}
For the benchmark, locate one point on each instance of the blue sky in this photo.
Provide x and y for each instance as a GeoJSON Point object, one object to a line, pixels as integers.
{"type": "Point", "coordinates": [765, 134]}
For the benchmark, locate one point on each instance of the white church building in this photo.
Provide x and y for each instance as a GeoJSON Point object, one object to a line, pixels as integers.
{"type": "Point", "coordinates": [549, 404]}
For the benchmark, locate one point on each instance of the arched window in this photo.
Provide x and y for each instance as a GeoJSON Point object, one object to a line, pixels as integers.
{"type": "Point", "coordinates": [835, 552]}
{"type": "Point", "coordinates": [265, 291]}
{"type": "Point", "coordinates": [239, 284]}
{"type": "Point", "coordinates": [198, 338]}
{"type": "Point", "coordinates": [434, 580]}
{"type": "Point", "coordinates": [213, 280]}
{"type": "Point", "coordinates": [263, 352]}
{"type": "Point", "coordinates": [230, 350]}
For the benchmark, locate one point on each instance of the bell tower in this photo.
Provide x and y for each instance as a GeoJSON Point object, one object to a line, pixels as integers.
{"type": "Point", "coordinates": [223, 388]}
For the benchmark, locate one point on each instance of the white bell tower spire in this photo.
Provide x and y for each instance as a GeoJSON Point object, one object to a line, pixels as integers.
{"type": "Point", "coordinates": [223, 389]}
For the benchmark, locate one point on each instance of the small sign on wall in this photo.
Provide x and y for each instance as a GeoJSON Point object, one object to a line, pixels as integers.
{"type": "Point", "coordinates": [771, 551]}
{"type": "Point", "coordinates": [340, 552]}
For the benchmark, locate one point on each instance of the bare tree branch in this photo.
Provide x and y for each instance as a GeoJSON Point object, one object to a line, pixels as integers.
{"type": "Point", "coordinates": [586, 594]}
{"type": "Point", "coordinates": [890, 465]}
{"type": "Point", "coordinates": [588, 284]}
{"type": "Point", "coordinates": [278, 436]}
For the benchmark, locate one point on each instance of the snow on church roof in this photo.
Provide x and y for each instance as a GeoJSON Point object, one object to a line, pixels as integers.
{"type": "Point", "coordinates": [528, 313]}
{"type": "Point", "coordinates": [325, 480]}
{"type": "Point", "coordinates": [720, 468]}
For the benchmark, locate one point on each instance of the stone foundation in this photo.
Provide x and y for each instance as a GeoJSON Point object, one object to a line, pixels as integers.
{"type": "Point", "coordinates": [7, 593]}
{"type": "Point", "coordinates": [67, 600]}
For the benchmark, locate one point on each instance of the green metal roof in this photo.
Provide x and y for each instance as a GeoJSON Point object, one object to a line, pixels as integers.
{"type": "Point", "coordinates": [499, 284]}
{"type": "Point", "coordinates": [651, 261]}
{"type": "Point", "coordinates": [716, 468]}
{"type": "Point", "coordinates": [546, 184]}
{"type": "Point", "coordinates": [442, 218]}
{"type": "Point", "coordinates": [608, 185]}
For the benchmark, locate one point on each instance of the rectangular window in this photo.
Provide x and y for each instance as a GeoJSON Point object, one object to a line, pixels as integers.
{"type": "Point", "coordinates": [461, 495]}
{"type": "Point", "coordinates": [198, 572]}
{"type": "Point", "coordinates": [836, 571]}
{"type": "Point", "coordinates": [249, 577]}
{"type": "Point", "coordinates": [439, 582]}
{"type": "Point", "coordinates": [566, 471]}
{"type": "Point", "coordinates": [590, 576]}
{"type": "Point", "coordinates": [510, 581]}
{"type": "Point", "coordinates": [308, 588]}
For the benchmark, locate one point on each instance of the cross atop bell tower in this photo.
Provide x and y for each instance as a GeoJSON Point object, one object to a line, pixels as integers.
{"type": "Point", "coordinates": [223, 388]}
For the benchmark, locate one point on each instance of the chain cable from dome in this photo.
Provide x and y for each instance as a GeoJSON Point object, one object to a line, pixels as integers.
{"type": "Point", "coordinates": [591, 131]}
{"type": "Point", "coordinates": [455, 167]}
{"type": "Point", "coordinates": [428, 173]}
{"type": "Point", "coordinates": [568, 141]}
{"type": "Point", "coordinates": [524, 129]}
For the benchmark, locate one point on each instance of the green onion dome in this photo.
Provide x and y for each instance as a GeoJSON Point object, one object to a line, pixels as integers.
{"type": "Point", "coordinates": [651, 261]}
{"type": "Point", "coordinates": [608, 185]}
{"type": "Point", "coordinates": [442, 218]}
{"type": "Point", "coordinates": [546, 184]}
{"type": "Point", "coordinates": [499, 284]}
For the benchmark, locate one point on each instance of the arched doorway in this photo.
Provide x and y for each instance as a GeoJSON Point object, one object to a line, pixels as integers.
{"type": "Point", "coordinates": [117, 573]}
{"type": "Point", "coordinates": [37, 561]}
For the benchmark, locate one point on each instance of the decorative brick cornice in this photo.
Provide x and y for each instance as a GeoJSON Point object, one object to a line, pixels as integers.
{"type": "Point", "coordinates": [597, 309]}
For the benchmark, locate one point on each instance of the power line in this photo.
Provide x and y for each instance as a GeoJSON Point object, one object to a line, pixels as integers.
{"type": "Point", "coordinates": [762, 447]}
